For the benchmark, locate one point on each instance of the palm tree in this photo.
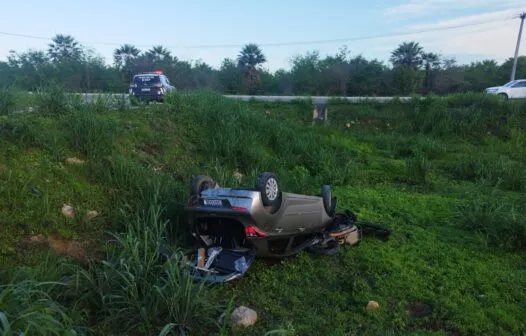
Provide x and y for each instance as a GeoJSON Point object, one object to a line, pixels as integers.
{"type": "Point", "coordinates": [123, 56]}
{"type": "Point", "coordinates": [408, 54]}
{"type": "Point", "coordinates": [249, 59]}
{"type": "Point", "coordinates": [159, 53]}
{"type": "Point", "coordinates": [250, 56]}
{"type": "Point", "coordinates": [64, 47]}
{"type": "Point", "coordinates": [432, 62]}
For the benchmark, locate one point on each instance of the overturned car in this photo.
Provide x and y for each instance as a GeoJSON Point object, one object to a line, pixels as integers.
{"type": "Point", "coordinates": [232, 226]}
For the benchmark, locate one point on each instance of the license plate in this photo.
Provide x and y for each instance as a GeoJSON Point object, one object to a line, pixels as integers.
{"type": "Point", "coordinates": [145, 90]}
{"type": "Point", "coordinates": [213, 203]}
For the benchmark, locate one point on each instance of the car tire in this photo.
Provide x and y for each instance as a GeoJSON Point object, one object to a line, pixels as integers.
{"type": "Point", "coordinates": [503, 96]}
{"type": "Point", "coordinates": [326, 195]}
{"type": "Point", "coordinates": [268, 185]}
{"type": "Point", "coordinates": [200, 183]}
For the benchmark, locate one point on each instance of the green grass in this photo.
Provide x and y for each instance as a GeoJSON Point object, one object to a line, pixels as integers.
{"type": "Point", "coordinates": [446, 175]}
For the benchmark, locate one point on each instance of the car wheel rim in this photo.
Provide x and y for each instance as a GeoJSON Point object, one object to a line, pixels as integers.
{"type": "Point", "coordinates": [271, 189]}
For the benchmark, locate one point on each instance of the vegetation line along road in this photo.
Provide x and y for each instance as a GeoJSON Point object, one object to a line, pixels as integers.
{"type": "Point", "coordinates": [410, 70]}
{"type": "Point", "coordinates": [89, 196]}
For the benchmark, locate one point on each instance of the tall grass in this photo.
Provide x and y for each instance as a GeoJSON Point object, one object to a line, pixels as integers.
{"type": "Point", "coordinates": [463, 116]}
{"type": "Point", "coordinates": [134, 291]}
{"type": "Point", "coordinates": [490, 168]}
{"type": "Point", "coordinates": [34, 301]}
{"type": "Point", "coordinates": [418, 168]}
{"type": "Point", "coordinates": [91, 134]}
{"type": "Point", "coordinates": [234, 136]}
{"type": "Point", "coordinates": [52, 99]}
{"type": "Point", "coordinates": [498, 223]}
{"type": "Point", "coordinates": [7, 101]}
{"type": "Point", "coordinates": [138, 291]}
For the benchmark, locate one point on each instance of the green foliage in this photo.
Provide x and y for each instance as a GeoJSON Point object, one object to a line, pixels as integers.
{"type": "Point", "coordinates": [7, 101]}
{"type": "Point", "coordinates": [135, 290]}
{"type": "Point", "coordinates": [498, 223]}
{"type": "Point", "coordinates": [90, 134]}
{"type": "Point", "coordinates": [489, 168]}
{"type": "Point", "coordinates": [428, 169]}
{"type": "Point", "coordinates": [29, 305]}
{"type": "Point", "coordinates": [52, 99]}
{"type": "Point", "coordinates": [418, 168]}
{"type": "Point", "coordinates": [414, 71]}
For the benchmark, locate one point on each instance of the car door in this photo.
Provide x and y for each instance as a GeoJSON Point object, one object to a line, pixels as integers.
{"type": "Point", "coordinates": [170, 86]}
{"type": "Point", "coordinates": [518, 90]}
{"type": "Point", "coordinates": [522, 93]}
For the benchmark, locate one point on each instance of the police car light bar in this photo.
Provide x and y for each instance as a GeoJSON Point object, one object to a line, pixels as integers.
{"type": "Point", "coordinates": [156, 72]}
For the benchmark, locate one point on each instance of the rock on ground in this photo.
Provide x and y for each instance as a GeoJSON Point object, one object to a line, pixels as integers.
{"type": "Point", "coordinates": [244, 317]}
{"type": "Point", "coordinates": [91, 214]}
{"type": "Point", "coordinates": [68, 211]}
{"type": "Point", "coordinates": [74, 160]}
{"type": "Point", "coordinates": [372, 305]}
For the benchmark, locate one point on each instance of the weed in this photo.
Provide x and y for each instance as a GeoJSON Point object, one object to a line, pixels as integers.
{"type": "Point", "coordinates": [488, 167]}
{"type": "Point", "coordinates": [134, 288]}
{"type": "Point", "coordinates": [418, 168]}
{"type": "Point", "coordinates": [52, 99]}
{"type": "Point", "coordinates": [90, 134]}
{"type": "Point", "coordinates": [498, 223]}
{"type": "Point", "coordinates": [28, 306]}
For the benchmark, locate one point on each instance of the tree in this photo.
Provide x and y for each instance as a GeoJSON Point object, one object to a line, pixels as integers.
{"type": "Point", "coordinates": [408, 54]}
{"type": "Point", "coordinates": [431, 64]}
{"type": "Point", "coordinates": [250, 56]}
{"type": "Point", "coordinates": [306, 72]}
{"type": "Point", "coordinates": [336, 71]}
{"type": "Point", "coordinates": [249, 59]}
{"type": "Point", "coordinates": [230, 76]}
{"type": "Point", "coordinates": [64, 47]}
{"type": "Point", "coordinates": [123, 56]}
{"type": "Point", "coordinates": [159, 53]}
{"type": "Point", "coordinates": [506, 67]}
{"type": "Point", "coordinates": [367, 77]}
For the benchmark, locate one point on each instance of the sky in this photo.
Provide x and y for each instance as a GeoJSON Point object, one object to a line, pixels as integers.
{"type": "Point", "coordinates": [211, 30]}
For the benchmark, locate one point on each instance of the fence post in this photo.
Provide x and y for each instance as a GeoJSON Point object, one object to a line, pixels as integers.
{"type": "Point", "coordinates": [320, 112]}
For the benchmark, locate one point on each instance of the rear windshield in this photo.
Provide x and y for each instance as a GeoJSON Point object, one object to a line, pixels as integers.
{"type": "Point", "coordinates": [146, 79]}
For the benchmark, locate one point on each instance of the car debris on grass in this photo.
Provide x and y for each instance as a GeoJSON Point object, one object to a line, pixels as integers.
{"type": "Point", "coordinates": [233, 226]}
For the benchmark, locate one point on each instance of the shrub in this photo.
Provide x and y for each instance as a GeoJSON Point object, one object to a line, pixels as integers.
{"type": "Point", "coordinates": [52, 99]}
{"type": "Point", "coordinates": [7, 101]}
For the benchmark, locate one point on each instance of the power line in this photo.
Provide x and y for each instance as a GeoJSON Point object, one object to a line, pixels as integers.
{"type": "Point", "coordinates": [280, 44]}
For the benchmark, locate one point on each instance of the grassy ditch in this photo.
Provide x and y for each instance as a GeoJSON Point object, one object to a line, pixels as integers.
{"type": "Point", "coordinates": [446, 175]}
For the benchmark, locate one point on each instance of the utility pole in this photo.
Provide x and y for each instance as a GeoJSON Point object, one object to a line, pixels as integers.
{"type": "Point", "coordinates": [514, 69]}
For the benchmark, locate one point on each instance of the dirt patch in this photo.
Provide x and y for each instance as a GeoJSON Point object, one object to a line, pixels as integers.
{"type": "Point", "coordinates": [149, 148]}
{"type": "Point", "coordinates": [72, 248]}
{"type": "Point", "coordinates": [68, 248]}
{"type": "Point", "coordinates": [418, 309]}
